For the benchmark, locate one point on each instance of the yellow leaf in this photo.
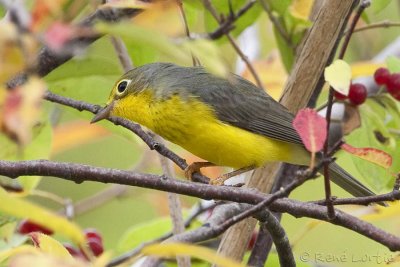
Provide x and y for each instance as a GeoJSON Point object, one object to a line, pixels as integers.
{"type": "Point", "coordinates": [45, 260]}
{"type": "Point", "coordinates": [51, 246]}
{"type": "Point", "coordinates": [181, 249]}
{"type": "Point", "coordinates": [338, 75]}
{"type": "Point", "coordinates": [301, 8]}
{"type": "Point", "coordinates": [8, 253]}
{"type": "Point", "coordinates": [272, 74]}
{"type": "Point", "coordinates": [23, 209]}
{"type": "Point", "coordinates": [366, 68]}
{"type": "Point", "coordinates": [380, 213]}
{"type": "Point", "coordinates": [126, 4]}
{"type": "Point", "coordinates": [74, 134]}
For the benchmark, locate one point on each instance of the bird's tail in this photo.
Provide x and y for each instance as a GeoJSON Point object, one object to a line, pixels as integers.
{"type": "Point", "coordinates": [348, 182]}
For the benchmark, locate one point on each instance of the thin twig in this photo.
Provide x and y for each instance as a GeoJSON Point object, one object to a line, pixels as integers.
{"type": "Point", "coordinates": [208, 5]}
{"type": "Point", "coordinates": [381, 24]}
{"type": "Point", "coordinates": [195, 60]}
{"type": "Point", "coordinates": [391, 196]}
{"type": "Point", "coordinates": [343, 49]}
{"type": "Point", "coordinates": [175, 207]}
{"type": "Point", "coordinates": [122, 52]}
{"type": "Point", "coordinates": [245, 60]}
{"type": "Point", "coordinates": [299, 180]}
{"type": "Point", "coordinates": [228, 24]}
{"type": "Point", "coordinates": [278, 25]}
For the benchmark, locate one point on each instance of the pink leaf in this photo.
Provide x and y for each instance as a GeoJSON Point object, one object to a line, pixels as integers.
{"type": "Point", "coordinates": [376, 156]}
{"type": "Point", "coordinates": [312, 129]}
{"type": "Point", "coordinates": [58, 34]}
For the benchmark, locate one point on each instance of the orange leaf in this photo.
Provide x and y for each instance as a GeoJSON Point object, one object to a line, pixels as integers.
{"type": "Point", "coordinates": [271, 72]}
{"type": "Point", "coordinates": [44, 11]}
{"type": "Point", "coordinates": [376, 156]}
{"type": "Point", "coordinates": [73, 134]}
{"type": "Point", "coordinates": [312, 129]}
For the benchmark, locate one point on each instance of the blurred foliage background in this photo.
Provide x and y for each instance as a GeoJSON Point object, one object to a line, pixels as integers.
{"type": "Point", "coordinates": [127, 215]}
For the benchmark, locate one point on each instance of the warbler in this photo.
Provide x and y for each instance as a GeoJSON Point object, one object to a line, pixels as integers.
{"type": "Point", "coordinates": [228, 122]}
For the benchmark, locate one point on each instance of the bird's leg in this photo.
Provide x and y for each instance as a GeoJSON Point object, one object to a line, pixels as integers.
{"type": "Point", "coordinates": [221, 179]}
{"type": "Point", "coordinates": [195, 167]}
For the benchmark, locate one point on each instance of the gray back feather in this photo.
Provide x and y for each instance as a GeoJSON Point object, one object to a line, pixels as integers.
{"type": "Point", "coordinates": [235, 100]}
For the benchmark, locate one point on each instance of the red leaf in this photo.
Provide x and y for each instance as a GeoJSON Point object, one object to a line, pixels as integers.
{"type": "Point", "coordinates": [312, 129]}
{"type": "Point", "coordinates": [373, 155]}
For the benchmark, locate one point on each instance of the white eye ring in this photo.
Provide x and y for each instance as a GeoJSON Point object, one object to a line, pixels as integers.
{"type": "Point", "coordinates": [122, 85]}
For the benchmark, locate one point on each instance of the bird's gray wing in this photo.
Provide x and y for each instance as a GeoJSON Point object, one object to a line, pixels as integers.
{"type": "Point", "coordinates": [240, 103]}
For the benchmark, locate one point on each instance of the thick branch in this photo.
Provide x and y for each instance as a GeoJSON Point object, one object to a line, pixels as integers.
{"type": "Point", "coordinates": [80, 173]}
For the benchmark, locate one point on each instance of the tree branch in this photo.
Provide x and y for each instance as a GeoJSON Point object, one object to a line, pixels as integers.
{"type": "Point", "coordinates": [47, 60]}
{"type": "Point", "coordinates": [270, 223]}
{"type": "Point", "coordinates": [79, 173]}
{"type": "Point", "coordinates": [228, 24]}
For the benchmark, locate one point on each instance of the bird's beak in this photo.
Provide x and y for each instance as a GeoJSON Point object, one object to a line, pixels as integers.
{"type": "Point", "coordinates": [103, 113]}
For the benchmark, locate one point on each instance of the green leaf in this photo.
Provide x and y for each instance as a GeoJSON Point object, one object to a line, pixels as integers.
{"type": "Point", "coordinates": [378, 6]}
{"type": "Point", "coordinates": [281, 7]}
{"type": "Point", "coordinates": [21, 208]}
{"type": "Point", "coordinates": [378, 115]}
{"type": "Point", "coordinates": [90, 77]}
{"type": "Point", "coordinates": [38, 148]}
{"type": "Point", "coordinates": [2, 11]}
{"type": "Point", "coordinates": [144, 232]}
{"type": "Point", "coordinates": [181, 53]}
{"type": "Point", "coordinates": [365, 18]}
{"type": "Point", "coordinates": [393, 64]}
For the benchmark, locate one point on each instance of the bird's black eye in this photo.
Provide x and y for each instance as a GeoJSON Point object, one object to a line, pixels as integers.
{"type": "Point", "coordinates": [121, 87]}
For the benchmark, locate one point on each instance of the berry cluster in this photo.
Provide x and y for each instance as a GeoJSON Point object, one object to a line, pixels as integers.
{"type": "Point", "coordinates": [93, 238]}
{"type": "Point", "coordinates": [357, 94]}
{"type": "Point", "coordinates": [383, 77]}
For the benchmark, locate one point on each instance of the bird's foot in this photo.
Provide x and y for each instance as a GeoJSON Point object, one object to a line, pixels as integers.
{"type": "Point", "coordinates": [195, 167]}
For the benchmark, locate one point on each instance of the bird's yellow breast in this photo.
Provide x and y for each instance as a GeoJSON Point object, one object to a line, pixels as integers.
{"type": "Point", "coordinates": [195, 127]}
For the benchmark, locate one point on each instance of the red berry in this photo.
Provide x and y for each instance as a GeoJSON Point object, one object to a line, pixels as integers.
{"type": "Point", "coordinates": [340, 96]}
{"type": "Point", "coordinates": [95, 246]}
{"type": "Point", "coordinates": [26, 227]}
{"type": "Point", "coordinates": [93, 233]}
{"type": "Point", "coordinates": [357, 93]}
{"type": "Point", "coordinates": [382, 76]}
{"type": "Point", "coordinates": [393, 85]}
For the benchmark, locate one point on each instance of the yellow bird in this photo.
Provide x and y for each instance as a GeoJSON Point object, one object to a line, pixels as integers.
{"type": "Point", "coordinates": [229, 122]}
